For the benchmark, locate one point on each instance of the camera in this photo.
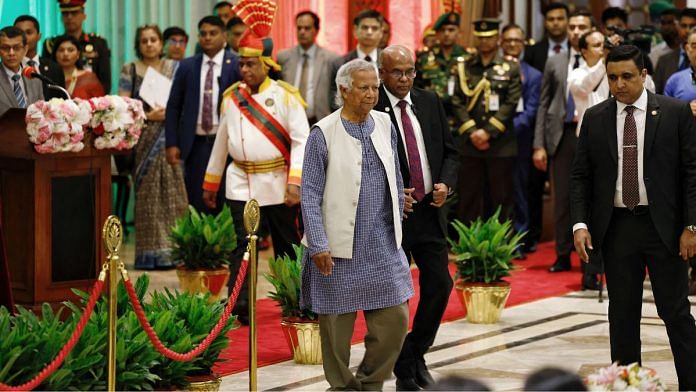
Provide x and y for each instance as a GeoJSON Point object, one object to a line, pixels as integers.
{"type": "Point", "coordinates": [640, 37]}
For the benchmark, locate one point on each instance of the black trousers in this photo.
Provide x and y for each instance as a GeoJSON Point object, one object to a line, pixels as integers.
{"type": "Point", "coordinates": [424, 241]}
{"type": "Point", "coordinates": [284, 233]}
{"type": "Point", "coordinates": [632, 243]}
{"type": "Point", "coordinates": [561, 166]}
{"type": "Point", "coordinates": [478, 175]}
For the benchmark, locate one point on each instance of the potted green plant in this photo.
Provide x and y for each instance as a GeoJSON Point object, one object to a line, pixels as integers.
{"type": "Point", "coordinates": [484, 251]}
{"type": "Point", "coordinates": [300, 326]}
{"type": "Point", "coordinates": [203, 245]}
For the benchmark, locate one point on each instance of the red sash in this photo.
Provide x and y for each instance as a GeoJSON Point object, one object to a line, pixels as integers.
{"type": "Point", "coordinates": [264, 121]}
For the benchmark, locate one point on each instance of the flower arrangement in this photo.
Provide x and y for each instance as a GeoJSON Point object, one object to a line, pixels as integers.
{"type": "Point", "coordinates": [57, 125]}
{"type": "Point", "coordinates": [624, 378]}
{"type": "Point", "coordinates": [116, 121]}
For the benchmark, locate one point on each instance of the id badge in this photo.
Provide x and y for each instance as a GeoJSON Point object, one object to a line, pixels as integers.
{"type": "Point", "coordinates": [450, 86]}
{"type": "Point", "coordinates": [520, 105]}
{"type": "Point", "coordinates": [493, 102]}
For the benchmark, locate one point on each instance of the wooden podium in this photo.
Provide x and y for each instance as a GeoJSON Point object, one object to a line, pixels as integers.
{"type": "Point", "coordinates": [53, 208]}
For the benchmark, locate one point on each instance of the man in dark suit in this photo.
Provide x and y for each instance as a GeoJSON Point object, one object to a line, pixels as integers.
{"type": "Point", "coordinates": [555, 42]}
{"type": "Point", "coordinates": [367, 29]}
{"type": "Point", "coordinates": [634, 188]}
{"type": "Point", "coordinates": [677, 59]}
{"type": "Point", "coordinates": [43, 65]}
{"type": "Point", "coordinates": [429, 163]}
{"type": "Point", "coordinates": [512, 43]}
{"type": "Point", "coordinates": [193, 108]}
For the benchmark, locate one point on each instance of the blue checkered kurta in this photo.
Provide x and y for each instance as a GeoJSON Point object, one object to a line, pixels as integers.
{"type": "Point", "coordinates": [378, 275]}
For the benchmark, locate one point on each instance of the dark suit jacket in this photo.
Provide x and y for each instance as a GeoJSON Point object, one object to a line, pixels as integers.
{"type": "Point", "coordinates": [335, 65]}
{"type": "Point", "coordinates": [53, 71]}
{"type": "Point", "coordinates": [669, 168]}
{"type": "Point", "coordinates": [666, 65]}
{"type": "Point", "coordinates": [443, 155]}
{"type": "Point", "coordinates": [184, 99]}
{"type": "Point", "coordinates": [537, 54]}
{"type": "Point", "coordinates": [531, 90]}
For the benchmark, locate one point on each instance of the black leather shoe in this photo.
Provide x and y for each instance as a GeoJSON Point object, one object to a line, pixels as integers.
{"type": "Point", "coordinates": [531, 247]}
{"type": "Point", "coordinates": [407, 384]}
{"type": "Point", "coordinates": [590, 282]}
{"type": "Point", "coordinates": [423, 377]}
{"type": "Point", "coordinates": [561, 264]}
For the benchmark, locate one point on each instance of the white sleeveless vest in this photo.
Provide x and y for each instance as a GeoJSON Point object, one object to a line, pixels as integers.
{"type": "Point", "coordinates": [343, 175]}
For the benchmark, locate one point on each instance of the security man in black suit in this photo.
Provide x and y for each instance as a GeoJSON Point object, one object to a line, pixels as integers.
{"type": "Point", "coordinates": [633, 200]}
{"type": "Point", "coordinates": [43, 65]}
{"type": "Point", "coordinates": [486, 95]}
{"type": "Point", "coordinates": [429, 163]}
{"type": "Point", "coordinates": [96, 56]}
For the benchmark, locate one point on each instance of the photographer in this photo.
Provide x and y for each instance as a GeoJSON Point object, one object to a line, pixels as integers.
{"type": "Point", "coordinates": [614, 21]}
{"type": "Point", "coordinates": [588, 83]}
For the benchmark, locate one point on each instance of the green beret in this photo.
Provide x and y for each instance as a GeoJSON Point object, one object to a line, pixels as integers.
{"type": "Point", "coordinates": [449, 18]}
{"type": "Point", "coordinates": [658, 7]}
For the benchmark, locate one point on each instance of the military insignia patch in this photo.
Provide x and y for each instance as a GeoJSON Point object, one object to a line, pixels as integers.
{"type": "Point", "coordinates": [269, 102]}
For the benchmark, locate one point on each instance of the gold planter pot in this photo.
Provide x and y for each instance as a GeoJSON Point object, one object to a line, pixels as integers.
{"type": "Point", "coordinates": [210, 383]}
{"type": "Point", "coordinates": [483, 301]}
{"type": "Point", "coordinates": [303, 339]}
{"type": "Point", "coordinates": [203, 281]}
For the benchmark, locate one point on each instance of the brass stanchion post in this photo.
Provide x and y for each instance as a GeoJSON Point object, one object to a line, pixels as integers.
{"type": "Point", "coordinates": [251, 224]}
{"type": "Point", "coordinates": [112, 236]}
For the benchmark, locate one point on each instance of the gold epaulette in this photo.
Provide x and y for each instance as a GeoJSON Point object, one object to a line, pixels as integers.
{"type": "Point", "coordinates": [293, 91]}
{"type": "Point", "coordinates": [49, 45]}
{"type": "Point", "coordinates": [230, 89]}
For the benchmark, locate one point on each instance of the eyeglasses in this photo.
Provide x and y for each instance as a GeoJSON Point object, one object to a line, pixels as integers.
{"type": "Point", "coordinates": [8, 48]}
{"type": "Point", "coordinates": [176, 42]}
{"type": "Point", "coordinates": [397, 74]}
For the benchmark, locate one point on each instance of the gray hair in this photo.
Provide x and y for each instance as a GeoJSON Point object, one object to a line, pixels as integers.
{"type": "Point", "coordinates": [344, 76]}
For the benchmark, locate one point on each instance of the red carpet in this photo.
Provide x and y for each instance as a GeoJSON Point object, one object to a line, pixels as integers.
{"type": "Point", "coordinates": [529, 282]}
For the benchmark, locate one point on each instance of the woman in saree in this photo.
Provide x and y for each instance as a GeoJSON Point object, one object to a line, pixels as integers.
{"type": "Point", "coordinates": [79, 82]}
{"type": "Point", "coordinates": [160, 195]}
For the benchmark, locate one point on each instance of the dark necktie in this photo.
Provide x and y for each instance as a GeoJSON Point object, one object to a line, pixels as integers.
{"type": "Point", "coordinates": [629, 181]}
{"type": "Point", "coordinates": [684, 62]}
{"type": "Point", "coordinates": [414, 161]}
{"type": "Point", "coordinates": [17, 88]}
{"type": "Point", "coordinates": [304, 76]}
{"type": "Point", "coordinates": [207, 117]}
{"type": "Point", "coordinates": [368, 59]}
{"type": "Point", "coordinates": [557, 49]}
{"type": "Point", "coordinates": [570, 102]}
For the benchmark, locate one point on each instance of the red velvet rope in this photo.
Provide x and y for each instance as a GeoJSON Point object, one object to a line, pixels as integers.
{"type": "Point", "coordinates": [203, 345]}
{"type": "Point", "coordinates": [58, 360]}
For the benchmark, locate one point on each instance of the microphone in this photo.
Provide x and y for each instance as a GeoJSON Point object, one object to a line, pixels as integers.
{"type": "Point", "coordinates": [30, 73]}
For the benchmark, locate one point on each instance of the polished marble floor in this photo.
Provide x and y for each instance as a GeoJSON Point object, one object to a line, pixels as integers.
{"type": "Point", "coordinates": [570, 332]}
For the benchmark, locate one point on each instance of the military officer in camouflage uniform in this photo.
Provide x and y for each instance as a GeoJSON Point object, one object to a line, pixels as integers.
{"type": "Point", "coordinates": [96, 56]}
{"type": "Point", "coordinates": [437, 66]}
{"type": "Point", "coordinates": [487, 91]}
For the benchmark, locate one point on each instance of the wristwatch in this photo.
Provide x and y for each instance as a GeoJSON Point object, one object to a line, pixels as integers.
{"type": "Point", "coordinates": [691, 228]}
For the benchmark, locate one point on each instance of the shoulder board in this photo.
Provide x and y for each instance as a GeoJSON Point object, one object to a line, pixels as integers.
{"type": "Point", "coordinates": [230, 89]}
{"type": "Point", "coordinates": [49, 44]}
{"type": "Point", "coordinates": [293, 91]}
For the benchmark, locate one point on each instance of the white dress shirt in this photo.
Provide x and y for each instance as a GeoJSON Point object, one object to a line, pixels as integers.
{"type": "Point", "coordinates": [9, 74]}
{"type": "Point", "coordinates": [640, 115]}
{"type": "Point", "coordinates": [373, 55]}
{"type": "Point", "coordinates": [37, 63]}
{"type": "Point", "coordinates": [311, 59]}
{"type": "Point", "coordinates": [425, 165]}
{"type": "Point", "coordinates": [217, 71]}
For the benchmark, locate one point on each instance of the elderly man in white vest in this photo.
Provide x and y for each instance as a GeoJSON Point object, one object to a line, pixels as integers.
{"type": "Point", "coordinates": [352, 204]}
